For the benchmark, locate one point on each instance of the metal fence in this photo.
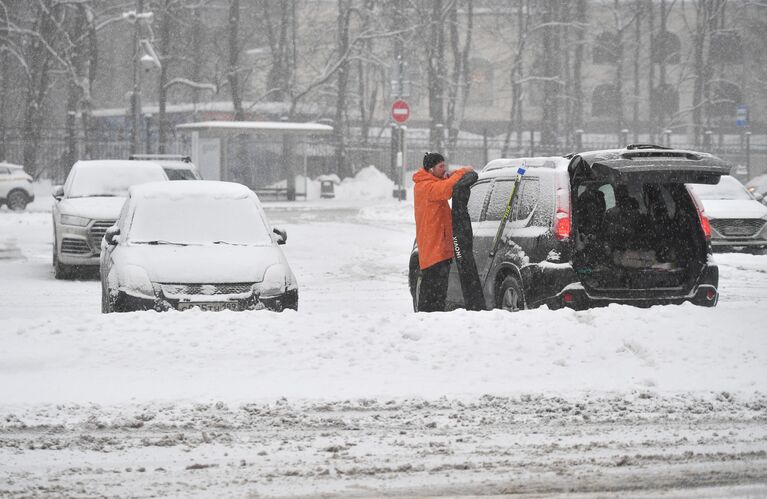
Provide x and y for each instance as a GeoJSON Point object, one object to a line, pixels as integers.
{"type": "Point", "coordinates": [52, 158]}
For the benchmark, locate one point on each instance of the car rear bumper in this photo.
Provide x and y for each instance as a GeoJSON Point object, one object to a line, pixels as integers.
{"type": "Point", "coordinates": [731, 242]}
{"type": "Point", "coordinates": [564, 291]}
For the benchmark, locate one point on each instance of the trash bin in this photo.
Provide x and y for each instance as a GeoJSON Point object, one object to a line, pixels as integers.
{"type": "Point", "coordinates": [326, 189]}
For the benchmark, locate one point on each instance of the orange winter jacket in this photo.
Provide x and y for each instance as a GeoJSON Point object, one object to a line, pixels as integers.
{"type": "Point", "coordinates": [433, 219]}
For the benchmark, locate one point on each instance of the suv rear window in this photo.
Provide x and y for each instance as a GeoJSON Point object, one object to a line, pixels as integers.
{"type": "Point", "coordinates": [525, 200]}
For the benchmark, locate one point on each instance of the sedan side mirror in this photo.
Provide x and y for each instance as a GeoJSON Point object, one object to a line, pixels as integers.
{"type": "Point", "coordinates": [58, 192]}
{"type": "Point", "coordinates": [112, 235]}
{"type": "Point", "coordinates": [282, 236]}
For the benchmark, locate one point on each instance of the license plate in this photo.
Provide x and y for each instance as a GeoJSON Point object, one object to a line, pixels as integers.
{"type": "Point", "coordinates": [214, 306]}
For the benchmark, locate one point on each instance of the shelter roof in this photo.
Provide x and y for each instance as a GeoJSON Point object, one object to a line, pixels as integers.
{"type": "Point", "coordinates": [256, 126]}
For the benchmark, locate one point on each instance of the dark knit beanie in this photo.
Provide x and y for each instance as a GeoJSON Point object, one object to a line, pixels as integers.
{"type": "Point", "coordinates": [432, 159]}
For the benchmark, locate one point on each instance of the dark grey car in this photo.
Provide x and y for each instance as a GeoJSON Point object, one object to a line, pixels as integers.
{"type": "Point", "coordinates": [615, 226]}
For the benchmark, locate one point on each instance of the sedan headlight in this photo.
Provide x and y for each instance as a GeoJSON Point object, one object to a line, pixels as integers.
{"type": "Point", "coordinates": [275, 281]}
{"type": "Point", "coordinates": [134, 281]}
{"type": "Point", "coordinates": [74, 220]}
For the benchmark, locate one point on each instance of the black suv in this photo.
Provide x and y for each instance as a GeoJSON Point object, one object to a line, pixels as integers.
{"type": "Point", "coordinates": [588, 229]}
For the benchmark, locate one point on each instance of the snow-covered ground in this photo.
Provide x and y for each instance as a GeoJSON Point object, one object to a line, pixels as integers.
{"type": "Point", "coordinates": [356, 395]}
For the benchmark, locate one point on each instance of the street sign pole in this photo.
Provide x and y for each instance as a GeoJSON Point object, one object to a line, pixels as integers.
{"type": "Point", "coordinates": [400, 113]}
{"type": "Point", "coordinates": [403, 142]}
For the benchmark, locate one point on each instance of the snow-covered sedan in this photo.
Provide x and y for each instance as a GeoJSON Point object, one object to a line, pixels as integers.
{"type": "Point", "coordinates": [88, 203]}
{"type": "Point", "coordinates": [187, 244]}
{"type": "Point", "coordinates": [737, 219]}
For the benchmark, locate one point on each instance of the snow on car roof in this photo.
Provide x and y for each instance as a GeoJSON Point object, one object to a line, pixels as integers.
{"type": "Point", "coordinates": [123, 163]}
{"type": "Point", "coordinates": [10, 165]}
{"type": "Point", "coordinates": [191, 188]}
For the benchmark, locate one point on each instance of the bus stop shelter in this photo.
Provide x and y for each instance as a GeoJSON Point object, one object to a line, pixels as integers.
{"type": "Point", "coordinates": [263, 155]}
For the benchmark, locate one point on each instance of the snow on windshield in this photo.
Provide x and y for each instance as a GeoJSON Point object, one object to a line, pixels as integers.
{"type": "Point", "coordinates": [111, 180]}
{"type": "Point", "coordinates": [199, 220]}
{"type": "Point", "coordinates": [728, 188]}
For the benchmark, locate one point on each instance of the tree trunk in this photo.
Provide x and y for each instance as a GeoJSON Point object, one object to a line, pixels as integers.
{"type": "Point", "coordinates": [551, 68]}
{"type": "Point", "coordinates": [619, 122]}
{"type": "Point", "coordinates": [234, 50]}
{"type": "Point", "coordinates": [651, 118]}
{"type": "Point", "coordinates": [637, 47]}
{"type": "Point", "coordinates": [578, 65]}
{"type": "Point", "coordinates": [339, 123]}
{"type": "Point", "coordinates": [436, 75]}
{"type": "Point", "coordinates": [168, 13]}
{"type": "Point", "coordinates": [37, 87]}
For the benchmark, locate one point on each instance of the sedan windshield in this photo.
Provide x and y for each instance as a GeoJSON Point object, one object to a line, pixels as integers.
{"type": "Point", "coordinates": [728, 188]}
{"type": "Point", "coordinates": [198, 220]}
{"type": "Point", "coordinates": [111, 180]}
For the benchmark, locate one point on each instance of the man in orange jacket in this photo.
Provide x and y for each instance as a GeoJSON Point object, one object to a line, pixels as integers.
{"type": "Point", "coordinates": [434, 229]}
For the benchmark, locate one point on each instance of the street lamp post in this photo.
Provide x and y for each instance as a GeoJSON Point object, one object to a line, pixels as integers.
{"type": "Point", "coordinates": [143, 57]}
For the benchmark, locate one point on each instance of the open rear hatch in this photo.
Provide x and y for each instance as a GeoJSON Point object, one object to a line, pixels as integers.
{"type": "Point", "coordinates": [638, 232]}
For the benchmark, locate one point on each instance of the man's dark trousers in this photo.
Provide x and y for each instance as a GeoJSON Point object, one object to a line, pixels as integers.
{"type": "Point", "coordinates": [433, 292]}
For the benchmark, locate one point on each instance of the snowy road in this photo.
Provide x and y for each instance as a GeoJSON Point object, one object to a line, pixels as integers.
{"type": "Point", "coordinates": [356, 395]}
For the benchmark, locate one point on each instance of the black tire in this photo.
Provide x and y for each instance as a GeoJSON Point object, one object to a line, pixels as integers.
{"type": "Point", "coordinates": [17, 200]}
{"type": "Point", "coordinates": [60, 270]}
{"type": "Point", "coordinates": [510, 295]}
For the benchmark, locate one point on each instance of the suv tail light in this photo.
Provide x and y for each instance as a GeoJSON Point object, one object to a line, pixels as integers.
{"type": "Point", "coordinates": [701, 214]}
{"type": "Point", "coordinates": [562, 214]}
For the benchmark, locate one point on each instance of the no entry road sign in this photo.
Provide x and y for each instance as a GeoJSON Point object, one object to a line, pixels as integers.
{"type": "Point", "coordinates": [400, 111]}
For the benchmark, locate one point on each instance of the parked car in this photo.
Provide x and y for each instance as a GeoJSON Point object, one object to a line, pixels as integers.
{"type": "Point", "coordinates": [737, 219]}
{"type": "Point", "coordinates": [757, 186]}
{"type": "Point", "coordinates": [88, 204]}
{"type": "Point", "coordinates": [614, 226]}
{"type": "Point", "coordinates": [176, 166]}
{"type": "Point", "coordinates": [15, 187]}
{"type": "Point", "coordinates": [204, 244]}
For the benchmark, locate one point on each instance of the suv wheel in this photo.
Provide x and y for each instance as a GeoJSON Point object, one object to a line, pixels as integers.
{"type": "Point", "coordinates": [17, 200]}
{"type": "Point", "coordinates": [510, 296]}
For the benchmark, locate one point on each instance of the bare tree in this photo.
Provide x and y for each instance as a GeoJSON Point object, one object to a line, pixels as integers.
{"type": "Point", "coordinates": [234, 52]}
{"type": "Point", "coordinates": [460, 83]}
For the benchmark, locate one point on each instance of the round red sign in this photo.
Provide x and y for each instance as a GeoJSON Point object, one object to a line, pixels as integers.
{"type": "Point", "coordinates": [400, 111]}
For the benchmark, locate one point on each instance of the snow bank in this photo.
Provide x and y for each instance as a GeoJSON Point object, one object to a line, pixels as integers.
{"type": "Point", "coordinates": [334, 355]}
{"type": "Point", "coordinates": [368, 184]}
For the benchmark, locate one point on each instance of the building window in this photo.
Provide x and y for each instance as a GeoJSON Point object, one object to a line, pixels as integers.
{"type": "Point", "coordinates": [724, 96]}
{"type": "Point", "coordinates": [726, 46]}
{"type": "Point", "coordinates": [481, 80]}
{"type": "Point", "coordinates": [604, 100]}
{"type": "Point", "coordinates": [604, 48]}
{"type": "Point", "coordinates": [666, 48]}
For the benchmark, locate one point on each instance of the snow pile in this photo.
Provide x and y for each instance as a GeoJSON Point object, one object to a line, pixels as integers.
{"type": "Point", "coordinates": [369, 183]}
{"type": "Point", "coordinates": [334, 355]}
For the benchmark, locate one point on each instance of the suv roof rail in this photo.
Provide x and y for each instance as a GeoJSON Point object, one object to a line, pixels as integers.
{"type": "Point", "coordinates": [632, 147]}
{"type": "Point", "coordinates": [177, 157]}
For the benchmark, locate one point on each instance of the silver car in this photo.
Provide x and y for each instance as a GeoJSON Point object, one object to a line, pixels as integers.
{"type": "Point", "coordinates": [738, 220]}
{"type": "Point", "coordinates": [88, 204]}
{"type": "Point", "coordinates": [176, 166]}
{"type": "Point", "coordinates": [15, 187]}
{"type": "Point", "coordinates": [186, 244]}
